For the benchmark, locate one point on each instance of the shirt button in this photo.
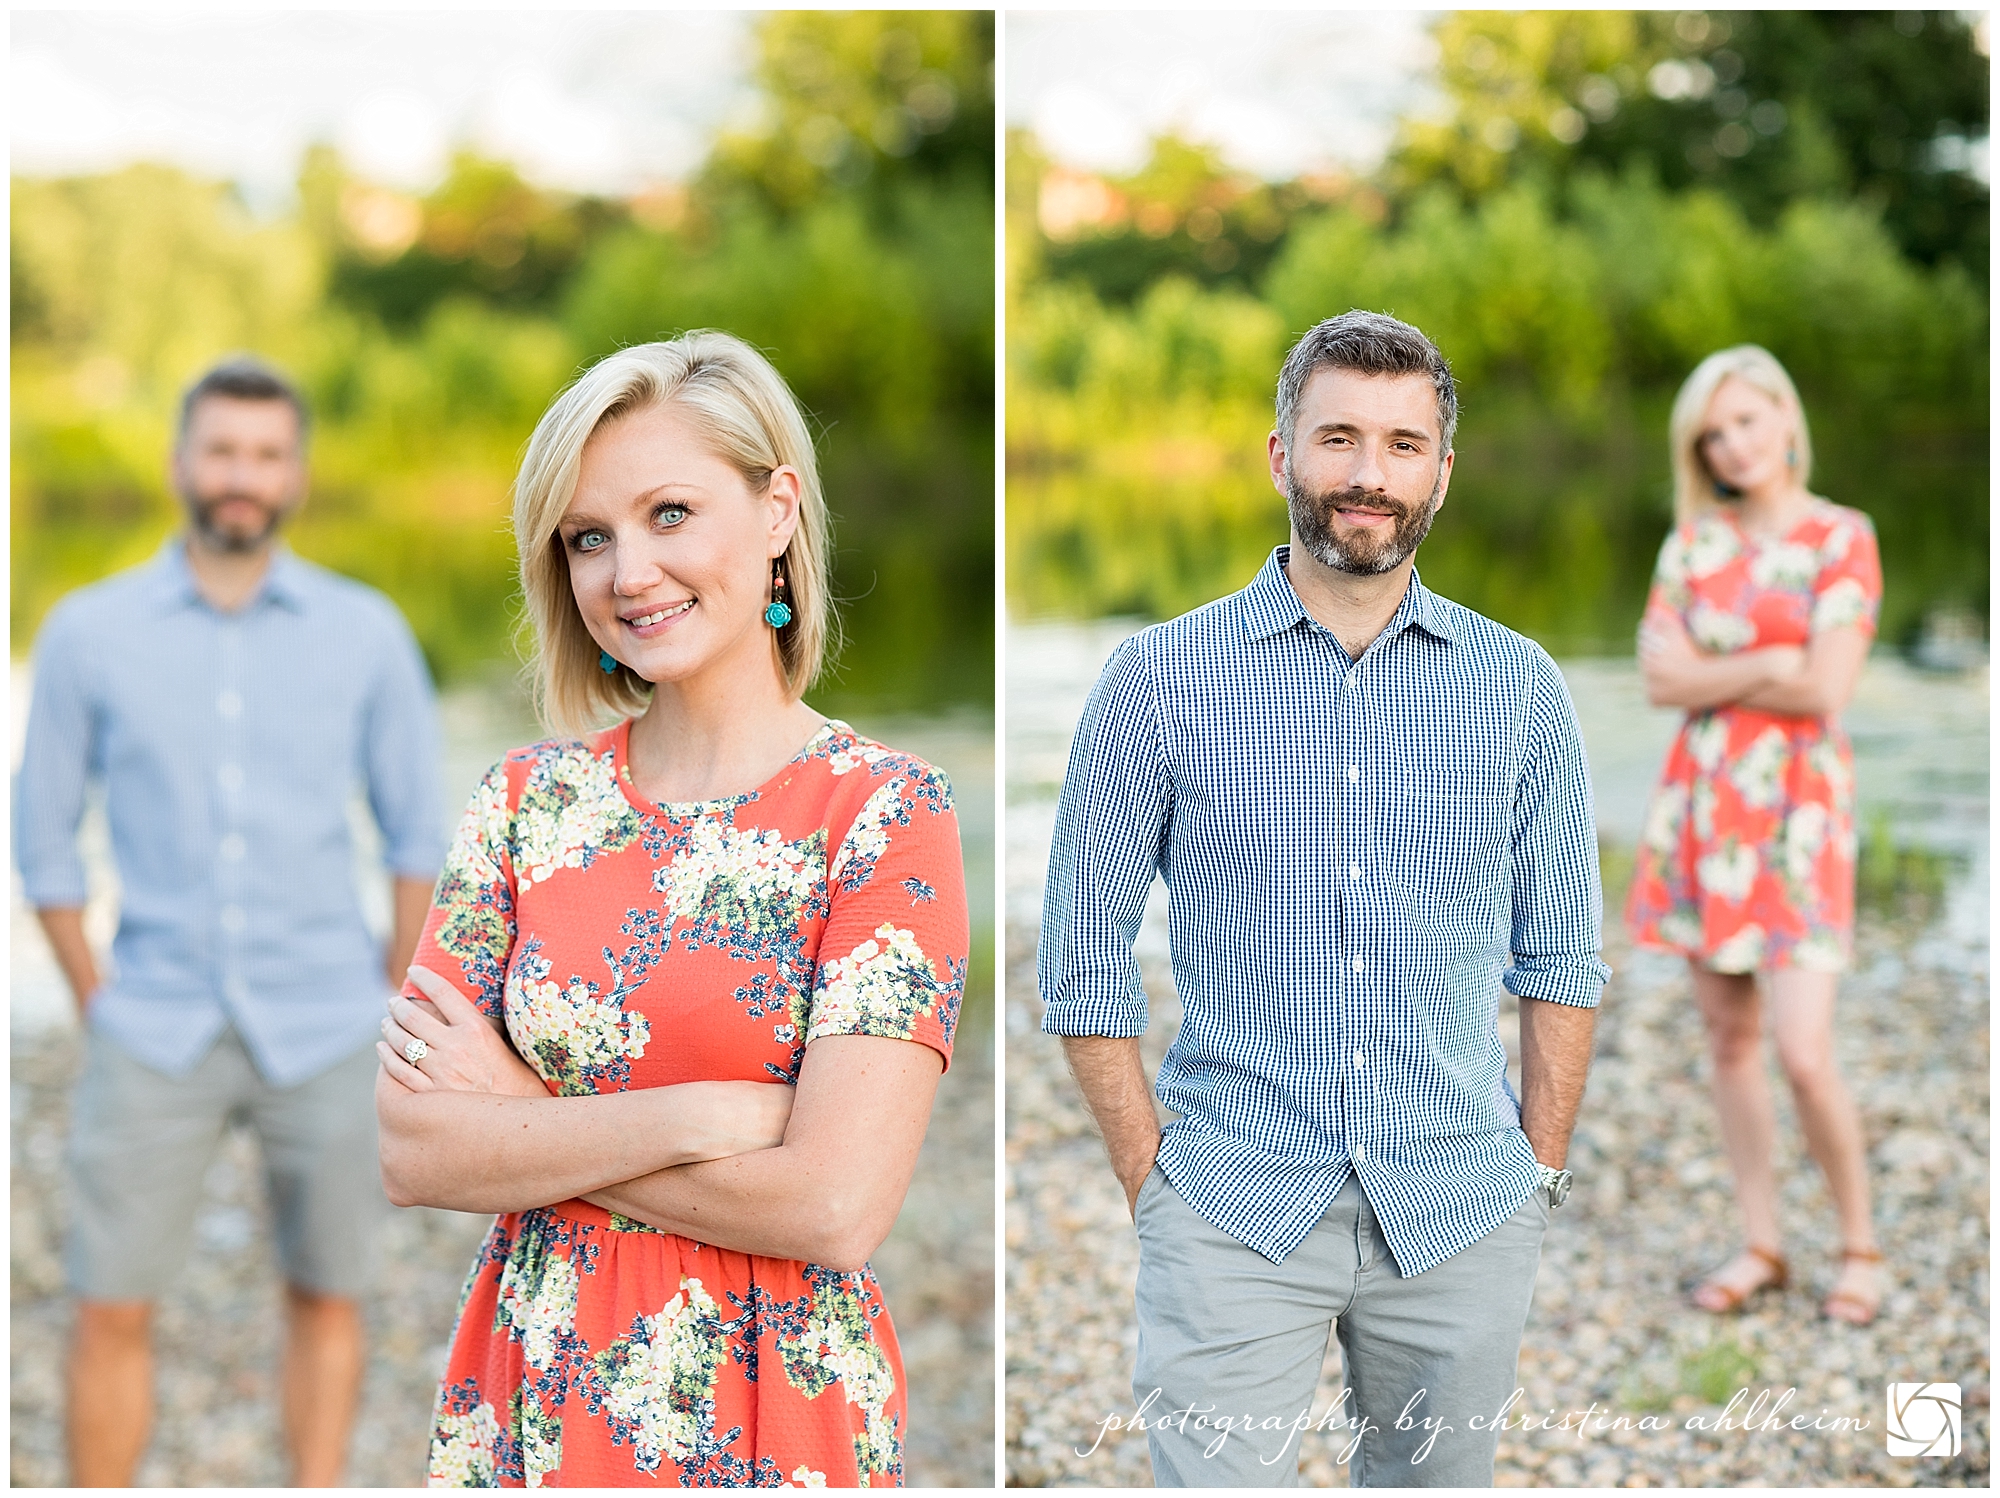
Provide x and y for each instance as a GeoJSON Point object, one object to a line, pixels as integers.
{"type": "Point", "coordinates": [1353, 773]}
{"type": "Point", "coordinates": [229, 704]}
{"type": "Point", "coordinates": [1358, 1059]}
{"type": "Point", "coordinates": [1354, 871]}
{"type": "Point", "coordinates": [230, 777]}
{"type": "Point", "coordinates": [233, 847]}
{"type": "Point", "coordinates": [232, 918]}
{"type": "Point", "coordinates": [1359, 1153]}
{"type": "Point", "coordinates": [1359, 963]}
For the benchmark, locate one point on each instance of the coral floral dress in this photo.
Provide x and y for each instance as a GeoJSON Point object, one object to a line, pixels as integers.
{"type": "Point", "coordinates": [1747, 858]}
{"type": "Point", "coordinates": [628, 944]}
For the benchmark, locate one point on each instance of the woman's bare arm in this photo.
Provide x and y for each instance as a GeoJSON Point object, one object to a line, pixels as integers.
{"type": "Point", "coordinates": [1679, 673]}
{"type": "Point", "coordinates": [492, 1152]}
{"type": "Point", "coordinates": [1824, 682]}
{"type": "Point", "coordinates": [830, 1193]}
{"type": "Point", "coordinates": [475, 1128]}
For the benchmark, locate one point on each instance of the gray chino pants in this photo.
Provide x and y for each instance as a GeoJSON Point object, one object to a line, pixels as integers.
{"type": "Point", "coordinates": [1225, 1334]}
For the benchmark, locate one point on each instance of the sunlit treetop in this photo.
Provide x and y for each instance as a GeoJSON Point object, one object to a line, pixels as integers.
{"type": "Point", "coordinates": [865, 96]}
{"type": "Point", "coordinates": [1765, 106]}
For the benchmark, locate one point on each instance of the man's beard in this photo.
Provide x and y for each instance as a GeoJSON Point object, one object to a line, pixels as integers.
{"type": "Point", "coordinates": [203, 512]}
{"type": "Point", "coordinates": [1365, 554]}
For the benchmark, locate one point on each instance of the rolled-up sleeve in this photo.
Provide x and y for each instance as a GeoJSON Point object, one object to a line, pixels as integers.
{"type": "Point", "coordinates": [1558, 898]}
{"type": "Point", "coordinates": [55, 767]}
{"type": "Point", "coordinates": [401, 750]}
{"type": "Point", "coordinates": [1109, 843]}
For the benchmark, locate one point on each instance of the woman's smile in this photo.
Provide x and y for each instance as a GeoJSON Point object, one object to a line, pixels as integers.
{"type": "Point", "coordinates": [655, 622]}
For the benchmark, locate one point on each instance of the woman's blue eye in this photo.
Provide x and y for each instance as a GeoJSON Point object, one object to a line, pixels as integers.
{"type": "Point", "coordinates": [587, 540]}
{"type": "Point", "coordinates": [670, 514]}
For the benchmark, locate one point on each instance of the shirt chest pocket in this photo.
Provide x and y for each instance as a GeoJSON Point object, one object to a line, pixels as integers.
{"type": "Point", "coordinates": [1444, 852]}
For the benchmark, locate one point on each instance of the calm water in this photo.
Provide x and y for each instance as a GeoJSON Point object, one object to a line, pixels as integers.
{"type": "Point", "coordinates": [479, 726]}
{"type": "Point", "coordinates": [1920, 749]}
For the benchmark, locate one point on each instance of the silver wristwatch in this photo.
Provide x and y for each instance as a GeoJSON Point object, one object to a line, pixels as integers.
{"type": "Point", "coordinates": [1555, 1182]}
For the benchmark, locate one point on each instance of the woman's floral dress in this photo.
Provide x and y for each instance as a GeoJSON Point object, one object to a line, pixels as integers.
{"type": "Point", "coordinates": [1747, 858]}
{"type": "Point", "coordinates": [628, 944]}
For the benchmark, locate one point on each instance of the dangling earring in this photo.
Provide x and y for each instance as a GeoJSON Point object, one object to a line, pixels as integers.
{"type": "Point", "coordinates": [1791, 457]}
{"type": "Point", "coordinates": [607, 663]}
{"type": "Point", "coordinates": [778, 613]}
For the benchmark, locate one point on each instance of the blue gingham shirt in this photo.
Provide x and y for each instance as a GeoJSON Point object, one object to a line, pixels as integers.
{"type": "Point", "coordinates": [228, 746]}
{"type": "Point", "coordinates": [1358, 856]}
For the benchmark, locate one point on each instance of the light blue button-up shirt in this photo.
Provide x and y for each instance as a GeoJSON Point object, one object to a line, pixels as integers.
{"type": "Point", "coordinates": [1358, 856]}
{"type": "Point", "coordinates": [228, 746]}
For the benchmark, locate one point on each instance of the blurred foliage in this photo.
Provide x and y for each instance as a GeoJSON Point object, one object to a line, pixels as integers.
{"type": "Point", "coordinates": [1763, 106]}
{"type": "Point", "coordinates": [1902, 882]}
{"type": "Point", "coordinates": [430, 333]}
{"type": "Point", "coordinates": [1141, 364]}
{"type": "Point", "coordinates": [1715, 1372]}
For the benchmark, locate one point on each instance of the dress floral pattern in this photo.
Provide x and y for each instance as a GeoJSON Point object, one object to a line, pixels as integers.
{"type": "Point", "coordinates": [626, 944]}
{"type": "Point", "coordinates": [1747, 857]}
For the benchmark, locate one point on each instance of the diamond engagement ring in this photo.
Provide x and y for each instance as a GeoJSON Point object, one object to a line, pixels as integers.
{"type": "Point", "coordinates": [415, 1051]}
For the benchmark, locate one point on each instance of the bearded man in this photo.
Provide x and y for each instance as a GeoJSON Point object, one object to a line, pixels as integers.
{"type": "Point", "coordinates": [230, 699]}
{"type": "Point", "coordinates": [1372, 812]}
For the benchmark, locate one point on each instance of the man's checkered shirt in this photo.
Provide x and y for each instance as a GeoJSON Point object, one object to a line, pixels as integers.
{"type": "Point", "coordinates": [1358, 857]}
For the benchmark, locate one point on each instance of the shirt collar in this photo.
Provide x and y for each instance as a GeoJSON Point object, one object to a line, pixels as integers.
{"type": "Point", "coordinates": [173, 584]}
{"type": "Point", "coordinates": [1271, 606]}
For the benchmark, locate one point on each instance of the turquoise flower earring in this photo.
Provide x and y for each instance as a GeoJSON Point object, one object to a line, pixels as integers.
{"type": "Point", "coordinates": [607, 663]}
{"type": "Point", "coordinates": [777, 613]}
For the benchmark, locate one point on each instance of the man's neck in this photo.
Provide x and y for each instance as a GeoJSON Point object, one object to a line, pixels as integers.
{"type": "Point", "coordinates": [1356, 607]}
{"type": "Point", "coordinates": [227, 579]}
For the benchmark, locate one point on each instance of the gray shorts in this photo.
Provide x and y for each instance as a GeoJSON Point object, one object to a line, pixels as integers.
{"type": "Point", "coordinates": [1227, 1335]}
{"type": "Point", "coordinates": [141, 1143]}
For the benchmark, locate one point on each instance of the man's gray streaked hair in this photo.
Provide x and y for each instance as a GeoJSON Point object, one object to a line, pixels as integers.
{"type": "Point", "coordinates": [243, 378]}
{"type": "Point", "coordinates": [1370, 343]}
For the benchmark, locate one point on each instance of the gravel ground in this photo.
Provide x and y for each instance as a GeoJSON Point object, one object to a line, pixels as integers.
{"type": "Point", "coordinates": [1651, 1212]}
{"type": "Point", "coordinates": [1652, 1209]}
{"type": "Point", "coordinates": [218, 1329]}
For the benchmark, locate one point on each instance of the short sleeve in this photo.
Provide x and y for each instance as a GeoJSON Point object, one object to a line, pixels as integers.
{"type": "Point", "coordinates": [892, 955]}
{"type": "Point", "coordinates": [1848, 589]}
{"type": "Point", "coordinates": [469, 934]}
{"type": "Point", "coordinates": [1670, 595]}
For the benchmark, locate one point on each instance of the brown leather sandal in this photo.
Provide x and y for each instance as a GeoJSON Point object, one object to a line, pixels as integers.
{"type": "Point", "coordinates": [1729, 1299]}
{"type": "Point", "coordinates": [1865, 1309]}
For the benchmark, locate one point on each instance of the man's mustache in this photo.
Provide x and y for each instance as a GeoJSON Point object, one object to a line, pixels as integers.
{"type": "Point", "coordinates": [1362, 499]}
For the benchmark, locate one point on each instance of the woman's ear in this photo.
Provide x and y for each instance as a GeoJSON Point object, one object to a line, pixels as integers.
{"type": "Point", "coordinates": [783, 496]}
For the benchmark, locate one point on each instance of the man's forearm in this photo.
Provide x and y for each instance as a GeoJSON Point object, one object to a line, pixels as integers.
{"type": "Point", "coordinates": [1112, 1078]}
{"type": "Point", "coordinates": [63, 925]}
{"type": "Point", "coordinates": [1555, 1063]}
{"type": "Point", "coordinates": [410, 901]}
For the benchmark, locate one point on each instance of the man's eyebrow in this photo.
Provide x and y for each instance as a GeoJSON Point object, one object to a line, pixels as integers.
{"type": "Point", "coordinates": [1416, 433]}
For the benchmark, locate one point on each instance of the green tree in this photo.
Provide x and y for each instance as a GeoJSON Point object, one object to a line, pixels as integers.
{"type": "Point", "coordinates": [1764, 106]}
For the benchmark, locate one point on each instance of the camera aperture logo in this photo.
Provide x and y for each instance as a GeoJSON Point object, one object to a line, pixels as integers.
{"type": "Point", "coordinates": [1923, 1419]}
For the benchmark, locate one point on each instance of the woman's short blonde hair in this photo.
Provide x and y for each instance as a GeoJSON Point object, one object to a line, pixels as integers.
{"type": "Point", "coordinates": [740, 405]}
{"type": "Point", "coordinates": [1694, 484]}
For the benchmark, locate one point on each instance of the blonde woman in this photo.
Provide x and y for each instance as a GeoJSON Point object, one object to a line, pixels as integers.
{"type": "Point", "coordinates": [726, 937]}
{"type": "Point", "coordinates": [1759, 621]}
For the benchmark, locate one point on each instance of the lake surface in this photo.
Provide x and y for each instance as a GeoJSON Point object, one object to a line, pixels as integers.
{"type": "Point", "coordinates": [1920, 751]}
